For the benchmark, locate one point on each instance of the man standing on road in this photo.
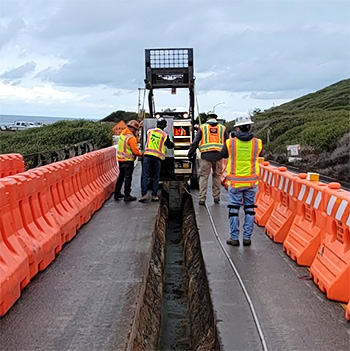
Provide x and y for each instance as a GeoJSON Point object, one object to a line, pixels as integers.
{"type": "Point", "coordinates": [209, 139]}
{"type": "Point", "coordinates": [242, 151]}
{"type": "Point", "coordinates": [126, 154]}
{"type": "Point", "coordinates": [155, 149]}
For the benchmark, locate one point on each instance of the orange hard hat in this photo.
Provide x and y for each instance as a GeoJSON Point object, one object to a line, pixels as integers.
{"type": "Point", "coordinates": [133, 124]}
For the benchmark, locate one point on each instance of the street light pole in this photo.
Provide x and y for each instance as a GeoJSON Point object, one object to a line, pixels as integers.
{"type": "Point", "coordinates": [220, 103]}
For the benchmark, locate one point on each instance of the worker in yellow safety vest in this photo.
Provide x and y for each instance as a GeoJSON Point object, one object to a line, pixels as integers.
{"type": "Point", "coordinates": [209, 140]}
{"type": "Point", "coordinates": [126, 154]}
{"type": "Point", "coordinates": [155, 150]}
{"type": "Point", "coordinates": [242, 151]}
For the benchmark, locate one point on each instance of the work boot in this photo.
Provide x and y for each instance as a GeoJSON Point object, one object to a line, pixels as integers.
{"type": "Point", "coordinates": [232, 242]}
{"type": "Point", "coordinates": [143, 198]}
{"type": "Point", "coordinates": [128, 198]}
{"type": "Point", "coordinates": [118, 197]}
{"type": "Point", "coordinates": [247, 242]}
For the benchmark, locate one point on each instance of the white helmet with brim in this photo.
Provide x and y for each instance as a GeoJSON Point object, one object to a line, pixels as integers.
{"type": "Point", "coordinates": [241, 121]}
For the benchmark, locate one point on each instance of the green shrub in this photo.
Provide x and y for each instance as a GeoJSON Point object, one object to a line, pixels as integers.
{"type": "Point", "coordinates": [56, 136]}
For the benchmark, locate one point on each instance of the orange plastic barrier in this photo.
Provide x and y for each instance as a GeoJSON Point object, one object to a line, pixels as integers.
{"type": "Point", "coordinates": [11, 164]}
{"type": "Point", "coordinates": [347, 311]}
{"type": "Point", "coordinates": [110, 166]}
{"type": "Point", "coordinates": [42, 241]}
{"type": "Point", "coordinates": [63, 199]}
{"type": "Point", "coordinates": [284, 210]}
{"type": "Point", "coordinates": [89, 181]}
{"type": "Point", "coordinates": [265, 199]}
{"type": "Point", "coordinates": [307, 230]}
{"type": "Point", "coordinates": [331, 266]}
{"type": "Point", "coordinates": [42, 209]}
{"type": "Point", "coordinates": [14, 264]}
{"type": "Point", "coordinates": [76, 191]}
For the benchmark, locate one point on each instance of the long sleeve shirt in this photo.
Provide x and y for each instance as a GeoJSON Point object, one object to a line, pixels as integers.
{"type": "Point", "coordinates": [132, 142]}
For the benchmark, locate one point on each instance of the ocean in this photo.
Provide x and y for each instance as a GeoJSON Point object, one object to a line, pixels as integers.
{"type": "Point", "coordinates": [8, 119]}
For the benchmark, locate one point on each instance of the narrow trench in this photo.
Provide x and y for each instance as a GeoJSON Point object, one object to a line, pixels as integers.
{"type": "Point", "coordinates": [175, 311]}
{"type": "Point", "coordinates": [175, 324]}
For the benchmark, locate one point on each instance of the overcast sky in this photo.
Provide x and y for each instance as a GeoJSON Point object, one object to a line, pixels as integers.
{"type": "Point", "coordinates": [85, 58]}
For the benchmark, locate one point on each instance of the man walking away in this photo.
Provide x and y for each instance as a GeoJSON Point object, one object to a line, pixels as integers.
{"type": "Point", "coordinates": [156, 144]}
{"type": "Point", "coordinates": [209, 139]}
{"type": "Point", "coordinates": [126, 154]}
{"type": "Point", "coordinates": [242, 151]}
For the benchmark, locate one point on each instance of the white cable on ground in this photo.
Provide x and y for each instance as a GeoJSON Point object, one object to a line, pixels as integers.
{"type": "Point", "coordinates": [255, 317]}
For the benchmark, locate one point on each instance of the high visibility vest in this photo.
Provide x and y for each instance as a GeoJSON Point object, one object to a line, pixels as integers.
{"type": "Point", "coordinates": [242, 166]}
{"type": "Point", "coordinates": [155, 143]}
{"type": "Point", "coordinates": [124, 152]}
{"type": "Point", "coordinates": [212, 137]}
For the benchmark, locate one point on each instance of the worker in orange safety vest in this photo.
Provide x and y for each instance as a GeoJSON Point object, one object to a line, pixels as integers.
{"type": "Point", "coordinates": [209, 139]}
{"type": "Point", "coordinates": [242, 151]}
{"type": "Point", "coordinates": [126, 154]}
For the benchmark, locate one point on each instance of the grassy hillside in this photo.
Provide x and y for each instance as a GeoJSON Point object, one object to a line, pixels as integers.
{"type": "Point", "coordinates": [319, 122]}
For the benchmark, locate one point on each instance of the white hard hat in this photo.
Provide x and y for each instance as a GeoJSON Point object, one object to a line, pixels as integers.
{"type": "Point", "coordinates": [241, 121]}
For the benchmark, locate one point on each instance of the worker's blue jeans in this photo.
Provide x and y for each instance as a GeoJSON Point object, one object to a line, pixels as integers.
{"type": "Point", "coordinates": [150, 171]}
{"type": "Point", "coordinates": [238, 197]}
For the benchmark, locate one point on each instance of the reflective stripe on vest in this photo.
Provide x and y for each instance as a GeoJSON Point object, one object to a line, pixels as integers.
{"type": "Point", "coordinates": [124, 152]}
{"type": "Point", "coordinates": [242, 165]}
{"type": "Point", "coordinates": [155, 143]}
{"type": "Point", "coordinates": [212, 138]}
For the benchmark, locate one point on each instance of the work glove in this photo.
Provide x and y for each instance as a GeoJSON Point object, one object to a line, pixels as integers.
{"type": "Point", "coordinates": [191, 157]}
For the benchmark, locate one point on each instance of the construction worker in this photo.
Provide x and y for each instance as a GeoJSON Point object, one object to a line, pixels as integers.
{"type": "Point", "coordinates": [242, 151]}
{"type": "Point", "coordinates": [155, 149]}
{"type": "Point", "coordinates": [209, 139]}
{"type": "Point", "coordinates": [126, 153]}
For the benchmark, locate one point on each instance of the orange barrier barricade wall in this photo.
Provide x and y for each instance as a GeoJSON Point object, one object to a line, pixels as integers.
{"type": "Point", "coordinates": [307, 230]}
{"type": "Point", "coordinates": [266, 193]}
{"type": "Point", "coordinates": [14, 264]}
{"type": "Point", "coordinates": [284, 210]}
{"type": "Point", "coordinates": [42, 209]}
{"type": "Point", "coordinates": [331, 267]}
{"type": "Point", "coordinates": [11, 164]}
{"type": "Point", "coordinates": [347, 311]}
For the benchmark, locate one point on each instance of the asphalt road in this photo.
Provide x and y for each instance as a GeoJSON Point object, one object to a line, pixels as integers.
{"type": "Point", "coordinates": [292, 312]}
{"type": "Point", "coordinates": [86, 299]}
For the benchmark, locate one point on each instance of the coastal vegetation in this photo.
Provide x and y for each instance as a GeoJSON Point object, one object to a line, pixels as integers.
{"type": "Point", "coordinates": [56, 136]}
{"type": "Point", "coordinates": [318, 122]}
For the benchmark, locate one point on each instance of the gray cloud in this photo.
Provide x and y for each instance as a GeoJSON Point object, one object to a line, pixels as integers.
{"type": "Point", "coordinates": [10, 30]}
{"type": "Point", "coordinates": [266, 49]}
{"type": "Point", "coordinates": [19, 72]}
